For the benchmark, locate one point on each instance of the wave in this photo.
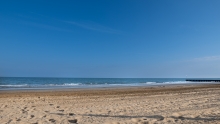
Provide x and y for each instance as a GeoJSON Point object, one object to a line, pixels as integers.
{"type": "Point", "coordinates": [20, 85]}
{"type": "Point", "coordinates": [92, 84]}
{"type": "Point", "coordinates": [172, 82]}
{"type": "Point", "coordinates": [151, 82]}
{"type": "Point", "coordinates": [168, 82]}
{"type": "Point", "coordinates": [72, 84]}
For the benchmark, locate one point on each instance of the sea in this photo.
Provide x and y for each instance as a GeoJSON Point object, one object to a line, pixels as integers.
{"type": "Point", "coordinates": [14, 83]}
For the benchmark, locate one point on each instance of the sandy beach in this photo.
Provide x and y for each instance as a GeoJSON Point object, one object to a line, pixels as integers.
{"type": "Point", "coordinates": [134, 105]}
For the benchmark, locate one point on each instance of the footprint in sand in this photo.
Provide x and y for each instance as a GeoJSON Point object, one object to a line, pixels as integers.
{"type": "Point", "coordinates": [18, 120]}
{"type": "Point", "coordinates": [61, 110]}
{"type": "Point", "coordinates": [73, 121]}
{"type": "Point", "coordinates": [177, 116]}
{"type": "Point", "coordinates": [23, 111]}
{"type": "Point", "coordinates": [52, 120]}
{"type": "Point", "coordinates": [71, 114]}
{"type": "Point", "coordinates": [32, 116]}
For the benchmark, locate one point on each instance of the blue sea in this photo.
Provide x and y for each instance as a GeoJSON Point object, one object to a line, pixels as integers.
{"type": "Point", "coordinates": [51, 83]}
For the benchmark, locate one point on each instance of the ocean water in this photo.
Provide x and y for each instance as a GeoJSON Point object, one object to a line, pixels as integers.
{"type": "Point", "coordinates": [48, 83]}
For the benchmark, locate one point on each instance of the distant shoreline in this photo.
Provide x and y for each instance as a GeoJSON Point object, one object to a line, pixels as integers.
{"type": "Point", "coordinates": [29, 83]}
{"type": "Point", "coordinates": [87, 88]}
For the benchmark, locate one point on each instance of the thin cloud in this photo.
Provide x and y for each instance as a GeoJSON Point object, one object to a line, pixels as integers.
{"type": "Point", "coordinates": [202, 59]}
{"type": "Point", "coordinates": [40, 25]}
{"type": "Point", "coordinates": [94, 27]}
{"type": "Point", "coordinates": [207, 58]}
{"type": "Point", "coordinates": [45, 26]}
{"type": "Point", "coordinates": [89, 26]}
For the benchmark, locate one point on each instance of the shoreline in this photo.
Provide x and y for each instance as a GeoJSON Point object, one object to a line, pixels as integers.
{"type": "Point", "coordinates": [109, 90]}
{"type": "Point", "coordinates": [128, 105]}
{"type": "Point", "coordinates": [99, 87]}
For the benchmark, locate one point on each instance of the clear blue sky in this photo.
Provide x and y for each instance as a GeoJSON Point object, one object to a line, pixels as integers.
{"type": "Point", "coordinates": [110, 38]}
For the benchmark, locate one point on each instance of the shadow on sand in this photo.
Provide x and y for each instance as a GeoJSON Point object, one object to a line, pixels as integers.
{"type": "Point", "coordinates": [158, 117]}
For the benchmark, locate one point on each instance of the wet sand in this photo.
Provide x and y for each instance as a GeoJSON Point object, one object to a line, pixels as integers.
{"type": "Point", "coordinates": [135, 105]}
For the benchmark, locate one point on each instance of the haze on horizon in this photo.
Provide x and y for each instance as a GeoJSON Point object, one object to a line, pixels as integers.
{"type": "Point", "coordinates": [111, 38]}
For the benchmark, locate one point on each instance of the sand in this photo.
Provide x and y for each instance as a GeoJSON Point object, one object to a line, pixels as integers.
{"type": "Point", "coordinates": [136, 105]}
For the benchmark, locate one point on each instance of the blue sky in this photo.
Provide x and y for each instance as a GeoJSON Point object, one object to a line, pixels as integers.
{"type": "Point", "coordinates": [110, 38]}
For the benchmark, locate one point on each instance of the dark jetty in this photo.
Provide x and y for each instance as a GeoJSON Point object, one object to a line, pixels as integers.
{"type": "Point", "coordinates": [202, 80]}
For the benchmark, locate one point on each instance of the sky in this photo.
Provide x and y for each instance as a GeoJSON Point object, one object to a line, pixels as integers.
{"type": "Point", "coordinates": [110, 38]}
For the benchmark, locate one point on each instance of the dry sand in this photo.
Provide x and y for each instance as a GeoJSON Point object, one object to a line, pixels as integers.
{"type": "Point", "coordinates": [143, 105]}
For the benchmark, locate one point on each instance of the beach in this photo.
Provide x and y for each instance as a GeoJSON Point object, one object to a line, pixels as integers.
{"type": "Point", "coordinates": [125, 105]}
